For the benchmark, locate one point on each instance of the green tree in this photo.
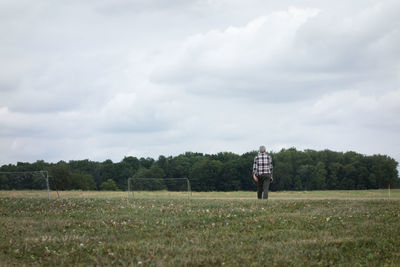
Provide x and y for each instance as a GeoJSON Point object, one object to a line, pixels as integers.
{"type": "Point", "coordinates": [229, 179]}
{"type": "Point", "coordinates": [304, 174]}
{"type": "Point", "coordinates": [60, 174]}
{"type": "Point", "coordinates": [132, 162]}
{"type": "Point", "coordinates": [4, 182]}
{"type": "Point", "coordinates": [334, 172]}
{"type": "Point", "coordinates": [319, 177]}
{"type": "Point", "coordinates": [146, 162]}
{"type": "Point", "coordinates": [156, 172]}
{"type": "Point", "coordinates": [293, 170]}
{"type": "Point", "coordinates": [204, 175]}
{"type": "Point", "coordinates": [182, 166]}
{"type": "Point", "coordinates": [245, 170]}
{"type": "Point", "coordinates": [298, 185]}
{"type": "Point", "coordinates": [283, 171]}
{"type": "Point", "coordinates": [109, 185]}
{"type": "Point", "coordinates": [83, 181]}
{"type": "Point", "coordinates": [350, 176]}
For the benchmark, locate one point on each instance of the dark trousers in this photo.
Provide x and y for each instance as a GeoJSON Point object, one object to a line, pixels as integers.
{"type": "Point", "coordinates": [263, 185]}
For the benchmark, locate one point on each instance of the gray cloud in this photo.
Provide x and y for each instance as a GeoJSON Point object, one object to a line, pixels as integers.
{"type": "Point", "coordinates": [103, 80]}
{"type": "Point", "coordinates": [310, 53]}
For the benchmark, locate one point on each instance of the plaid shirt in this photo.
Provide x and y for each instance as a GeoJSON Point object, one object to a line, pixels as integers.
{"type": "Point", "coordinates": [262, 164]}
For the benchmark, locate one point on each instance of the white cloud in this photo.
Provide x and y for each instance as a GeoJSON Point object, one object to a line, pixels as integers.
{"type": "Point", "coordinates": [360, 111]}
{"type": "Point", "coordinates": [288, 55]}
{"type": "Point", "coordinates": [237, 61]}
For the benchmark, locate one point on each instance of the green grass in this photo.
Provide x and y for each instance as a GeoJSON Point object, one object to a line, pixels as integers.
{"type": "Point", "coordinates": [292, 195]}
{"type": "Point", "coordinates": [290, 229]}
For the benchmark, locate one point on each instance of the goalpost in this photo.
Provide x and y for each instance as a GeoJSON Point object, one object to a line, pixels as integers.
{"type": "Point", "coordinates": [171, 188]}
{"type": "Point", "coordinates": [25, 180]}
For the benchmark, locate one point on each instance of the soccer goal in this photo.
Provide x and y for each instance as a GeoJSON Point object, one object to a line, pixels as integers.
{"type": "Point", "coordinates": [156, 188]}
{"type": "Point", "coordinates": [34, 183]}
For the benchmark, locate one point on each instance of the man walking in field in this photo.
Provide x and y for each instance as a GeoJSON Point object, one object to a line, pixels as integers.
{"type": "Point", "coordinates": [262, 172]}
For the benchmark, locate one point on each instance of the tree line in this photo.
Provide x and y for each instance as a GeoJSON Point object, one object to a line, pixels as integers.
{"type": "Point", "coordinates": [224, 171]}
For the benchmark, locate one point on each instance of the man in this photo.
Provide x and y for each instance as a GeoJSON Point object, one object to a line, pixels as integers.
{"type": "Point", "coordinates": [262, 172]}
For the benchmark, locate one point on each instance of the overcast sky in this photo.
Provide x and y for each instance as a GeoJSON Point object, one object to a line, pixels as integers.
{"type": "Point", "coordinates": [106, 79]}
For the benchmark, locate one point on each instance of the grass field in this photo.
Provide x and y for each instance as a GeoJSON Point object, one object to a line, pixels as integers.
{"type": "Point", "coordinates": [292, 195]}
{"type": "Point", "coordinates": [345, 228]}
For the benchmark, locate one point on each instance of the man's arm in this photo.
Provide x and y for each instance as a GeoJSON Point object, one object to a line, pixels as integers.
{"type": "Point", "coordinates": [255, 169]}
{"type": "Point", "coordinates": [255, 177]}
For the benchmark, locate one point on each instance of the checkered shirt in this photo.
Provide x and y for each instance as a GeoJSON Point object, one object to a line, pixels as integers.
{"type": "Point", "coordinates": [262, 164]}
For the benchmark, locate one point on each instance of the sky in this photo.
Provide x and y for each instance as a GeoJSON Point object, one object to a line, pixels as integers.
{"type": "Point", "coordinates": [104, 79]}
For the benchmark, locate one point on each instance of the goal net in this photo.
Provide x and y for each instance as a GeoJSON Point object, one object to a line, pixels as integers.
{"type": "Point", "coordinates": [25, 184]}
{"type": "Point", "coordinates": [153, 188]}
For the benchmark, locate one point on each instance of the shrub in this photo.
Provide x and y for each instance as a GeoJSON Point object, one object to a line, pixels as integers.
{"type": "Point", "coordinates": [109, 185]}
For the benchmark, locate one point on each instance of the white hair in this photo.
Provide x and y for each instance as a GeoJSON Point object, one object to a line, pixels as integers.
{"type": "Point", "coordinates": [262, 149]}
